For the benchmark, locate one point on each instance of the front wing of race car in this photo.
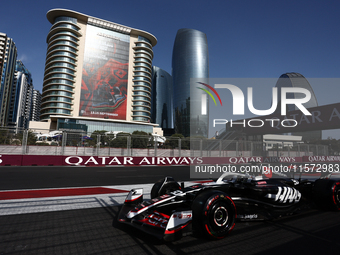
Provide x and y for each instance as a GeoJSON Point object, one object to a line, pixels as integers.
{"type": "Point", "coordinates": [146, 216]}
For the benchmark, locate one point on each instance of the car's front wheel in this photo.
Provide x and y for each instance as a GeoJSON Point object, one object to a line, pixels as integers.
{"type": "Point", "coordinates": [214, 214]}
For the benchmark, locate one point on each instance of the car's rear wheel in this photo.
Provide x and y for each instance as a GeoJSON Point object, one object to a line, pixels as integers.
{"type": "Point", "coordinates": [164, 186]}
{"type": "Point", "coordinates": [327, 194]}
{"type": "Point", "coordinates": [214, 214]}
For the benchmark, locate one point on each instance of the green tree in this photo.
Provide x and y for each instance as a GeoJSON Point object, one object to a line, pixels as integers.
{"type": "Point", "coordinates": [120, 141]}
{"type": "Point", "coordinates": [140, 139]}
{"type": "Point", "coordinates": [31, 137]}
{"type": "Point", "coordinates": [332, 144]}
{"type": "Point", "coordinates": [4, 136]}
{"type": "Point", "coordinates": [104, 139]}
{"type": "Point", "coordinates": [172, 141]}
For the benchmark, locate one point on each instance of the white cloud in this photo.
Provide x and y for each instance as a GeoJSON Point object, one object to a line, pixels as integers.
{"type": "Point", "coordinates": [23, 58]}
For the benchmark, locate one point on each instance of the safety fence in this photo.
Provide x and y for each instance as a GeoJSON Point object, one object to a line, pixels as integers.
{"type": "Point", "coordinates": [44, 142]}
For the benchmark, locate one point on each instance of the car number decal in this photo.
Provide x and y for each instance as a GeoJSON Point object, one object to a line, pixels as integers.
{"type": "Point", "coordinates": [286, 195]}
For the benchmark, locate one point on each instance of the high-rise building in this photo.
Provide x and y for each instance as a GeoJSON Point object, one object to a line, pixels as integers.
{"type": "Point", "coordinates": [299, 81]}
{"type": "Point", "coordinates": [190, 59]}
{"type": "Point", "coordinates": [36, 102]}
{"type": "Point", "coordinates": [162, 100]}
{"type": "Point", "coordinates": [97, 74]}
{"type": "Point", "coordinates": [8, 57]}
{"type": "Point", "coordinates": [19, 113]}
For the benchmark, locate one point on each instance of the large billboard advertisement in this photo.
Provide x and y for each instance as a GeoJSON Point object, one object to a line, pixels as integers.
{"type": "Point", "coordinates": [105, 74]}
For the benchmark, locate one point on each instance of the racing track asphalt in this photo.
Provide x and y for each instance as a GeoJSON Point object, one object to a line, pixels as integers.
{"type": "Point", "coordinates": [90, 231]}
{"type": "Point", "coordinates": [39, 177]}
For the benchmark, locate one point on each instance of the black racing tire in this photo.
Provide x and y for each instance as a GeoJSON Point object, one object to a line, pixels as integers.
{"type": "Point", "coordinates": [214, 214]}
{"type": "Point", "coordinates": [326, 194]}
{"type": "Point", "coordinates": [164, 186]}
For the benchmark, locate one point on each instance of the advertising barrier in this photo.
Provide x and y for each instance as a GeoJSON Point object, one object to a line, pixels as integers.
{"type": "Point", "coordinates": [49, 160]}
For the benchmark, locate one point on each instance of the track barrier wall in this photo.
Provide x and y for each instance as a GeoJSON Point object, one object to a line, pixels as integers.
{"type": "Point", "coordinates": [50, 160]}
{"type": "Point", "coordinates": [67, 148]}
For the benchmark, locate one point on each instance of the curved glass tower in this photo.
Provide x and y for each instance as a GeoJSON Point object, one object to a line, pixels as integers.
{"type": "Point", "coordinates": [142, 71]}
{"type": "Point", "coordinates": [190, 59]}
{"type": "Point", "coordinates": [97, 72]}
{"type": "Point", "coordinates": [60, 68]}
{"type": "Point", "coordinates": [299, 81]}
{"type": "Point", "coordinates": [162, 99]}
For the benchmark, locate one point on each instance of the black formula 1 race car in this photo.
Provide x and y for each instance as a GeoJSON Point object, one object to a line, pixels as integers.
{"type": "Point", "coordinates": [211, 208]}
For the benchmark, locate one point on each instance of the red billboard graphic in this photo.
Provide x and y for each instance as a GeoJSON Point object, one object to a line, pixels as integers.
{"type": "Point", "coordinates": [105, 75]}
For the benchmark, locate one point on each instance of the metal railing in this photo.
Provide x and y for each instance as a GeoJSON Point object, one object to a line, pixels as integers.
{"type": "Point", "coordinates": [44, 142]}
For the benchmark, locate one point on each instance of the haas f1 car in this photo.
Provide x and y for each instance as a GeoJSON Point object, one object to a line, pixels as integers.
{"type": "Point", "coordinates": [211, 208]}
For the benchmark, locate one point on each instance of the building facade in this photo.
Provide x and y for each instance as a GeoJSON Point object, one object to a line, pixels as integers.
{"type": "Point", "coordinates": [299, 81]}
{"type": "Point", "coordinates": [162, 100]}
{"type": "Point", "coordinates": [36, 102]}
{"type": "Point", "coordinates": [97, 73]}
{"type": "Point", "coordinates": [20, 112]}
{"type": "Point", "coordinates": [190, 59]}
{"type": "Point", "coordinates": [8, 57]}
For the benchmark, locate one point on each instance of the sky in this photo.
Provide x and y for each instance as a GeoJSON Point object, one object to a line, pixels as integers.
{"type": "Point", "coordinates": [246, 38]}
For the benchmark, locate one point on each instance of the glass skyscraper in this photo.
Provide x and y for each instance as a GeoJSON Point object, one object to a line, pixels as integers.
{"type": "Point", "coordinates": [8, 57]}
{"type": "Point", "coordinates": [19, 113]}
{"type": "Point", "coordinates": [36, 102]}
{"type": "Point", "coordinates": [96, 71]}
{"type": "Point", "coordinates": [299, 81]}
{"type": "Point", "coordinates": [162, 100]}
{"type": "Point", "coordinates": [190, 59]}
